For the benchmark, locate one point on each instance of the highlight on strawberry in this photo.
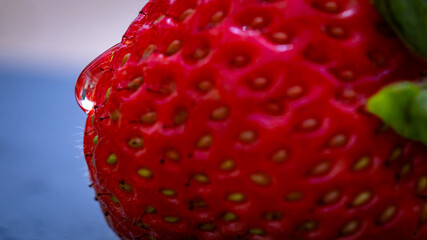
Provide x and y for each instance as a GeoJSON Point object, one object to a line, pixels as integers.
{"type": "Point", "coordinates": [262, 119]}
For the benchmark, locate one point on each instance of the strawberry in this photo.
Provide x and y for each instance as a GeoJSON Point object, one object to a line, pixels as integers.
{"type": "Point", "coordinates": [232, 119]}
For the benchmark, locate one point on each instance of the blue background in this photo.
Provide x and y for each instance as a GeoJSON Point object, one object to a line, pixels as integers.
{"type": "Point", "coordinates": [44, 45]}
{"type": "Point", "coordinates": [44, 191]}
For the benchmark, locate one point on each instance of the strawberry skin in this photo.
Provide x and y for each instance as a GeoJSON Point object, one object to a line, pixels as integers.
{"type": "Point", "coordinates": [232, 119]}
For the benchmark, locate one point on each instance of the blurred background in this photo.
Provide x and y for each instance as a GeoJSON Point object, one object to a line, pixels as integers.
{"type": "Point", "coordinates": [44, 45]}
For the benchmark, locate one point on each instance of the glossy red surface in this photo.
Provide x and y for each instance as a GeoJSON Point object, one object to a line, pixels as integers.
{"type": "Point", "coordinates": [276, 87]}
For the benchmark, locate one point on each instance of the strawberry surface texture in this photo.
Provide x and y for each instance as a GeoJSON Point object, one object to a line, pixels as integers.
{"type": "Point", "coordinates": [246, 119]}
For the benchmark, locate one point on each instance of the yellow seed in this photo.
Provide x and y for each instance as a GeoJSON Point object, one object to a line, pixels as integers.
{"type": "Point", "coordinates": [171, 219]}
{"type": "Point", "coordinates": [149, 117]}
{"type": "Point", "coordinates": [308, 226]}
{"type": "Point", "coordinates": [395, 153]}
{"type": "Point", "coordinates": [145, 172]}
{"type": "Point", "coordinates": [274, 107]}
{"type": "Point", "coordinates": [150, 209]}
{"type": "Point", "coordinates": [387, 215]}
{"type": "Point", "coordinates": [227, 165]}
{"type": "Point", "coordinates": [205, 86]}
{"type": "Point", "coordinates": [125, 186]}
{"type": "Point", "coordinates": [261, 179]}
{"type": "Point", "coordinates": [280, 156]}
{"type": "Point", "coordinates": [205, 142]}
{"type": "Point", "coordinates": [405, 170]}
{"type": "Point", "coordinates": [167, 87]}
{"type": "Point", "coordinates": [229, 216]}
{"type": "Point", "coordinates": [217, 17]}
{"type": "Point", "coordinates": [294, 92]}
{"type": "Point", "coordinates": [136, 83]}
{"type": "Point", "coordinates": [337, 32]}
{"type": "Point", "coordinates": [272, 216]}
{"type": "Point", "coordinates": [93, 119]}
{"type": "Point", "coordinates": [236, 197]}
{"type": "Point", "coordinates": [294, 196]}
{"type": "Point", "coordinates": [114, 199]}
{"type": "Point", "coordinates": [239, 61]}
{"type": "Point", "coordinates": [256, 231]}
{"type": "Point", "coordinates": [331, 197]}
{"type": "Point", "coordinates": [174, 47]}
{"type": "Point", "coordinates": [248, 136]}
{"type": "Point", "coordinates": [112, 159]}
{"type": "Point", "coordinates": [280, 37]}
{"type": "Point", "coordinates": [142, 225]}
{"type": "Point", "coordinates": [125, 59]}
{"type": "Point", "coordinates": [136, 142]}
{"type": "Point", "coordinates": [377, 58]}
{"type": "Point", "coordinates": [220, 113]}
{"type": "Point", "coordinates": [337, 141]}
{"type": "Point", "coordinates": [350, 227]}
{"type": "Point", "coordinates": [186, 14]}
{"type": "Point", "coordinates": [331, 7]}
{"type": "Point", "coordinates": [346, 75]}
{"type": "Point", "coordinates": [200, 53]}
{"type": "Point", "coordinates": [362, 163]}
{"type": "Point", "coordinates": [422, 185]}
{"type": "Point", "coordinates": [199, 204]}
{"type": "Point", "coordinates": [181, 117]}
{"type": "Point", "coordinates": [172, 155]}
{"type": "Point", "coordinates": [148, 51]}
{"type": "Point", "coordinates": [201, 178]}
{"type": "Point", "coordinates": [107, 94]}
{"type": "Point", "coordinates": [309, 124]}
{"type": "Point", "coordinates": [168, 192]}
{"type": "Point", "coordinates": [258, 22]}
{"type": "Point", "coordinates": [259, 83]}
{"type": "Point", "coordinates": [349, 94]}
{"type": "Point", "coordinates": [207, 226]}
{"type": "Point", "coordinates": [361, 199]}
{"type": "Point", "coordinates": [159, 19]}
{"type": "Point", "coordinates": [321, 168]}
{"type": "Point", "coordinates": [115, 115]}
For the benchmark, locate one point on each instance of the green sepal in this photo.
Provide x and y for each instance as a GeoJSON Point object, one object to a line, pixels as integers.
{"type": "Point", "coordinates": [408, 18]}
{"type": "Point", "coordinates": [402, 106]}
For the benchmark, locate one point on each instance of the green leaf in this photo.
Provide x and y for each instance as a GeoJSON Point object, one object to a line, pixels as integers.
{"type": "Point", "coordinates": [402, 106]}
{"type": "Point", "coordinates": [408, 18]}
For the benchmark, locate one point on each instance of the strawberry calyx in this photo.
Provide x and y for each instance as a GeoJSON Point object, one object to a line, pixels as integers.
{"type": "Point", "coordinates": [403, 106]}
{"type": "Point", "coordinates": [408, 18]}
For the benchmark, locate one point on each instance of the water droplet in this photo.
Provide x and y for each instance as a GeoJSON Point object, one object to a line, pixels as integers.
{"type": "Point", "coordinates": [86, 83]}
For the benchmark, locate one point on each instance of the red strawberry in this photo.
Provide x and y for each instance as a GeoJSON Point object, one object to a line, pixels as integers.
{"type": "Point", "coordinates": [232, 119]}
